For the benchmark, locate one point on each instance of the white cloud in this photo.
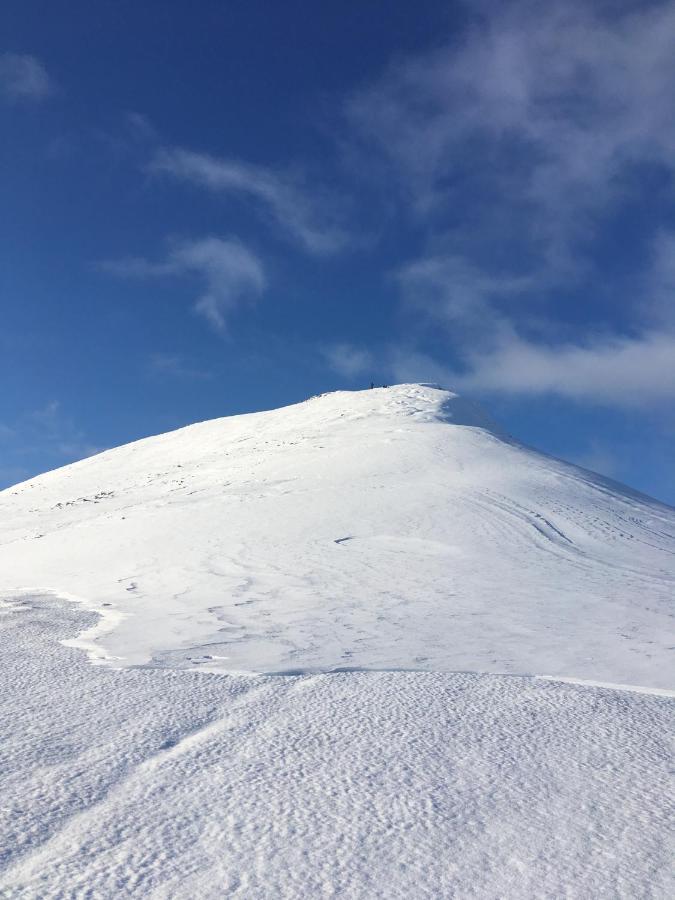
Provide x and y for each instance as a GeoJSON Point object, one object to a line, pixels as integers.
{"type": "Point", "coordinates": [608, 368]}
{"type": "Point", "coordinates": [409, 365]}
{"type": "Point", "coordinates": [348, 360]}
{"type": "Point", "coordinates": [613, 371]}
{"type": "Point", "coordinates": [307, 215]}
{"type": "Point", "coordinates": [23, 78]}
{"type": "Point", "coordinates": [231, 273]}
{"type": "Point", "coordinates": [512, 146]}
{"type": "Point", "coordinates": [553, 100]}
{"type": "Point", "coordinates": [485, 336]}
{"type": "Point", "coordinates": [461, 295]}
{"type": "Point", "coordinates": [617, 372]}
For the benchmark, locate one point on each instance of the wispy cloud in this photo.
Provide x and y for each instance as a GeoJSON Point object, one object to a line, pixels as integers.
{"type": "Point", "coordinates": [50, 429]}
{"type": "Point", "coordinates": [605, 370]}
{"type": "Point", "coordinates": [42, 439]}
{"type": "Point", "coordinates": [307, 215]}
{"type": "Point", "coordinates": [548, 100]}
{"type": "Point", "coordinates": [23, 78]}
{"type": "Point", "coordinates": [623, 370]}
{"type": "Point", "coordinates": [511, 148]}
{"type": "Point", "coordinates": [348, 360]}
{"type": "Point", "coordinates": [140, 127]}
{"type": "Point", "coordinates": [175, 365]}
{"type": "Point", "coordinates": [459, 294]}
{"type": "Point", "coordinates": [405, 363]}
{"type": "Point", "coordinates": [622, 373]}
{"type": "Point", "coordinates": [614, 371]}
{"type": "Point", "coordinates": [598, 457]}
{"type": "Point", "coordinates": [47, 417]}
{"type": "Point", "coordinates": [231, 273]}
{"type": "Point", "coordinates": [527, 128]}
{"type": "Point", "coordinates": [659, 288]}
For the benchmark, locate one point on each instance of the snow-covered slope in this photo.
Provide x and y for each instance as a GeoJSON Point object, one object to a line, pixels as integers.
{"type": "Point", "coordinates": [173, 785]}
{"type": "Point", "coordinates": [392, 528]}
{"type": "Point", "coordinates": [389, 528]}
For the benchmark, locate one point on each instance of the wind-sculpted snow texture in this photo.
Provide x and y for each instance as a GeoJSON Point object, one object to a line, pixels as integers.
{"type": "Point", "coordinates": [390, 528]}
{"type": "Point", "coordinates": [170, 784]}
{"type": "Point", "coordinates": [240, 581]}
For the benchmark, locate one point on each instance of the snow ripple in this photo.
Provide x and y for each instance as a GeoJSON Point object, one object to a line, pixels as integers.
{"type": "Point", "coordinates": [162, 783]}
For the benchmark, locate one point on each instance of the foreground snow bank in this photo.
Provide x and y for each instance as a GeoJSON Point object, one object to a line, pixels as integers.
{"type": "Point", "coordinates": [163, 783]}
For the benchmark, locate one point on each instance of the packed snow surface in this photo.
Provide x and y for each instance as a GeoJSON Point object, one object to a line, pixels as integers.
{"type": "Point", "coordinates": [239, 581]}
{"type": "Point", "coordinates": [388, 528]}
{"type": "Point", "coordinates": [159, 783]}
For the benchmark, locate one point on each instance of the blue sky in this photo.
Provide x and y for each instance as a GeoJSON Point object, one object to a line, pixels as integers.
{"type": "Point", "coordinates": [221, 207]}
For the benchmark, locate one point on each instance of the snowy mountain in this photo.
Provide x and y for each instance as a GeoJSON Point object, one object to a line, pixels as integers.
{"type": "Point", "coordinates": [381, 529]}
{"type": "Point", "coordinates": [387, 529]}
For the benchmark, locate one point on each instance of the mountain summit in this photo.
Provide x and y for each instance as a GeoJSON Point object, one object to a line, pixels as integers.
{"type": "Point", "coordinates": [387, 528]}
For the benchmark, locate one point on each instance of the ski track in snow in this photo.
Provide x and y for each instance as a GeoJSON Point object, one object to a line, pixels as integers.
{"type": "Point", "coordinates": [147, 782]}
